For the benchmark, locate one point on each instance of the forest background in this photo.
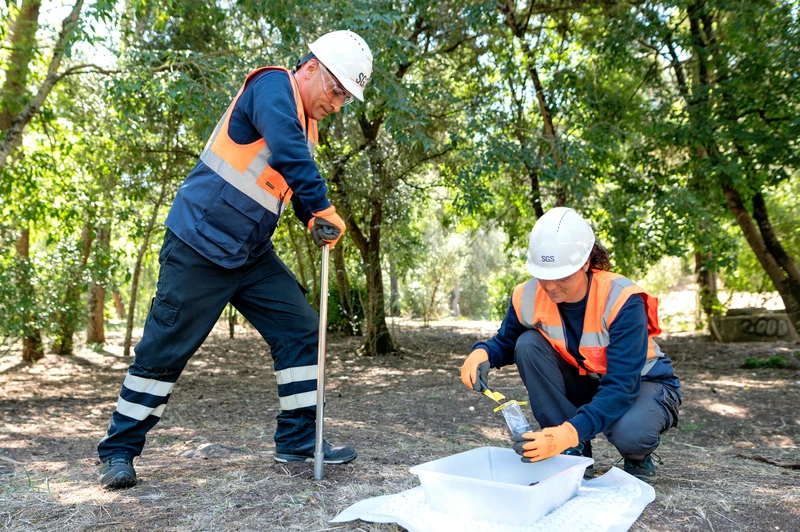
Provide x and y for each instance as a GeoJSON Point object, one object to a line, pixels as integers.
{"type": "Point", "coordinates": [672, 126]}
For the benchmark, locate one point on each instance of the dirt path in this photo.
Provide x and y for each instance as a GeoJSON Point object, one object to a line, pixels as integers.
{"type": "Point", "coordinates": [208, 464]}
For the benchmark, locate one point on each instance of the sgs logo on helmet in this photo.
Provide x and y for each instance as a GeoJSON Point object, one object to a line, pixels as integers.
{"type": "Point", "coordinates": [362, 79]}
{"type": "Point", "coordinates": [548, 258]}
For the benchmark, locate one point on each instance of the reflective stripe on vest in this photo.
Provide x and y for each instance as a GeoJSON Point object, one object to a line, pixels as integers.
{"type": "Point", "coordinates": [535, 310]}
{"type": "Point", "coordinates": [245, 166]}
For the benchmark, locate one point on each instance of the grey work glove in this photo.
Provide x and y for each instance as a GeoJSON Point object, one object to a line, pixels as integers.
{"type": "Point", "coordinates": [324, 232]}
{"type": "Point", "coordinates": [326, 227]}
{"type": "Point", "coordinates": [475, 371]}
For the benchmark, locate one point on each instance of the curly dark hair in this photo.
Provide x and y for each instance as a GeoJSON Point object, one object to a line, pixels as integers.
{"type": "Point", "coordinates": [598, 258]}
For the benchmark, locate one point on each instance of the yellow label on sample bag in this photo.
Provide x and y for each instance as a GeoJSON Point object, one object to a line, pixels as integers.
{"type": "Point", "coordinates": [509, 403]}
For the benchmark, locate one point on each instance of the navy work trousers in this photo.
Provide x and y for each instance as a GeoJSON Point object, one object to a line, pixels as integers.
{"type": "Point", "coordinates": [190, 296]}
{"type": "Point", "coordinates": [556, 390]}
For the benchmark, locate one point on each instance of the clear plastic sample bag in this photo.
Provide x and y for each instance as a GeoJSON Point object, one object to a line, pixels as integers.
{"type": "Point", "coordinates": [515, 418]}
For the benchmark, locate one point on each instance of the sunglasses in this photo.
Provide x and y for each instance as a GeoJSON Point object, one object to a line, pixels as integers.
{"type": "Point", "coordinates": [333, 88]}
{"type": "Point", "coordinates": [563, 281]}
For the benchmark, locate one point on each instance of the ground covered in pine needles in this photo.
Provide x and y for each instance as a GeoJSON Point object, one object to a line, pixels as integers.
{"type": "Point", "coordinates": [730, 465]}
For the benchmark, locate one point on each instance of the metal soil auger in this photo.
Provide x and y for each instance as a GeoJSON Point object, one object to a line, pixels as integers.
{"type": "Point", "coordinates": [319, 454]}
{"type": "Point", "coordinates": [512, 413]}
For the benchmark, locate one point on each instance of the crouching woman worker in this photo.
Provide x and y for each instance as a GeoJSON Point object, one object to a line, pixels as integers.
{"type": "Point", "coordinates": [582, 339]}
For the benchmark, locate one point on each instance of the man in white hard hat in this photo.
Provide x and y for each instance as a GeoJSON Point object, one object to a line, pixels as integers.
{"type": "Point", "coordinates": [217, 250]}
{"type": "Point", "coordinates": [582, 339]}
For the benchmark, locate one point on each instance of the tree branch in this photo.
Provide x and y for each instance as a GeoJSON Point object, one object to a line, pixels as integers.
{"type": "Point", "coordinates": [13, 136]}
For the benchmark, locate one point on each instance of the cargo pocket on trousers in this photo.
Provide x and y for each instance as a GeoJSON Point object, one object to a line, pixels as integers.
{"type": "Point", "coordinates": [671, 403]}
{"type": "Point", "coordinates": [163, 312]}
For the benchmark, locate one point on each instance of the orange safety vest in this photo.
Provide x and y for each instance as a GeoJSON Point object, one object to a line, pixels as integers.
{"type": "Point", "coordinates": [607, 294]}
{"type": "Point", "coordinates": [246, 166]}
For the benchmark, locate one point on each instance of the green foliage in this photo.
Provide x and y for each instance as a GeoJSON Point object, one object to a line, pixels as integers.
{"type": "Point", "coordinates": [500, 290]}
{"type": "Point", "coordinates": [773, 362]}
{"type": "Point", "coordinates": [489, 275]}
{"type": "Point", "coordinates": [665, 275]}
{"type": "Point", "coordinates": [446, 164]}
{"type": "Point", "coordinates": [23, 307]}
{"type": "Point", "coordinates": [438, 262]}
{"type": "Point", "coordinates": [43, 292]}
{"type": "Point", "coordinates": [12, 486]}
{"type": "Point", "coordinates": [743, 271]}
{"type": "Point", "coordinates": [338, 320]}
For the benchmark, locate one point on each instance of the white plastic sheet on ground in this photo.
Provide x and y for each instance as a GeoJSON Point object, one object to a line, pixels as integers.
{"type": "Point", "coordinates": [611, 503]}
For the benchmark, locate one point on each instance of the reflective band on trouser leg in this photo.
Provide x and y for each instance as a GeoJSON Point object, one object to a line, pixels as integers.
{"type": "Point", "coordinates": [299, 400]}
{"type": "Point", "coordinates": [149, 386]}
{"type": "Point", "coordinates": [142, 397]}
{"type": "Point", "coordinates": [139, 412]}
{"type": "Point", "coordinates": [302, 373]}
{"type": "Point", "coordinates": [297, 387]}
{"type": "Point", "coordinates": [139, 407]}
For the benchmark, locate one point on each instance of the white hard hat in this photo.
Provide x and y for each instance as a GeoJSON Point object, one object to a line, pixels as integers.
{"type": "Point", "coordinates": [348, 58]}
{"type": "Point", "coordinates": [560, 244]}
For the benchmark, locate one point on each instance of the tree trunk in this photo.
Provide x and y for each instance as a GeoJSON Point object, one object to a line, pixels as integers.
{"type": "Point", "coordinates": [454, 300]}
{"type": "Point", "coordinates": [230, 316]}
{"type": "Point", "coordinates": [32, 346]}
{"type": "Point", "coordinates": [314, 256]}
{"type": "Point", "coordinates": [95, 326]}
{"type": "Point", "coordinates": [549, 128]}
{"type": "Point", "coordinates": [32, 349]}
{"type": "Point", "coordinates": [67, 316]}
{"type": "Point", "coordinates": [508, 9]}
{"type": "Point", "coordinates": [378, 340]}
{"type": "Point", "coordinates": [785, 284]}
{"type": "Point", "coordinates": [95, 302]}
{"type": "Point", "coordinates": [119, 305]}
{"type": "Point", "coordinates": [536, 194]}
{"type": "Point", "coordinates": [522, 133]}
{"type": "Point", "coordinates": [696, 101]}
{"type": "Point", "coordinates": [346, 302]}
{"type": "Point", "coordinates": [69, 313]}
{"type": "Point", "coordinates": [706, 278]}
{"type": "Point", "coordinates": [430, 311]}
{"type": "Point", "coordinates": [22, 41]}
{"type": "Point", "coordinates": [298, 255]}
{"type": "Point", "coordinates": [137, 269]}
{"type": "Point", "coordinates": [394, 298]}
{"type": "Point", "coordinates": [784, 260]}
{"type": "Point", "coordinates": [13, 133]}
{"type": "Point", "coordinates": [780, 266]}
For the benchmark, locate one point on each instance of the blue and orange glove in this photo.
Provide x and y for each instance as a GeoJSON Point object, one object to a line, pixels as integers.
{"type": "Point", "coordinates": [476, 369]}
{"type": "Point", "coordinates": [535, 446]}
{"type": "Point", "coordinates": [326, 227]}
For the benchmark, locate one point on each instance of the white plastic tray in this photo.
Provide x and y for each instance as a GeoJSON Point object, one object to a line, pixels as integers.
{"type": "Point", "coordinates": [492, 484]}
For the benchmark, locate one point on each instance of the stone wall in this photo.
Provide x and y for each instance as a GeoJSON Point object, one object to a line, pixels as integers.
{"type": "Point", "coordinates": [753, 325]}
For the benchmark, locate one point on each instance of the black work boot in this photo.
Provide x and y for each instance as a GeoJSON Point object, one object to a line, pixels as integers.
{"type": "Point", "coordinates": [644, 470]}
{"type": "Point", "coordinates": [331, 455]}
{"type": "Point", "coordinates": [583, 449]}
{"type": "Point", "coordinates": [117, 473]}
